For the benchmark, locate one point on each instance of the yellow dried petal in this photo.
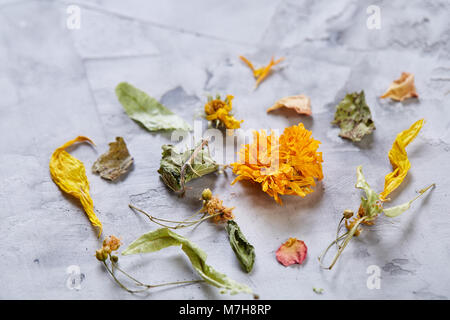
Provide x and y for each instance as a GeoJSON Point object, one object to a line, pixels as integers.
{"type": "Point", "coordinates": [399, 158]}
{"type": "Point", "coordinates": [261, 73]}
{"type": "Point", "coordinates": [402, 88]}
{"type": "Point", "coordinates": [70, 175]}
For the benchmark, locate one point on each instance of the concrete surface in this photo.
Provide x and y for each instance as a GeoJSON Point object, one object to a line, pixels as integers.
{"type": "Point", "coordinates": [57, 83]}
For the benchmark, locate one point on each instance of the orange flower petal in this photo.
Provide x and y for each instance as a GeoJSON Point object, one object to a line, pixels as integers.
{"type": "Point", "coordinates": [402, 88]}
{"type": "Point", "coordinates": [300, 103]}
{"type": "Point", "coordinates": [291, 252]}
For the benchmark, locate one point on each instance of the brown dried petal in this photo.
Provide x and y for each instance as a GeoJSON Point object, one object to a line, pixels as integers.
{"type": "Point", "coordinates": [115, 162]}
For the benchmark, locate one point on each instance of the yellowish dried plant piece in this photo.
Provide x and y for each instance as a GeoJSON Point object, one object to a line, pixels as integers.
{"type": "Point", "coordinates": [261, 73]}
{"type": "Point", "coordinates": [402, 88]}
{"type": "Point", "coordinates": [219, 111]}
{"type": "Point", "coordinates": [70, 175]}
{"type": "Point", "coordinates": [399, 158]}
{"type": "Point", "coordinates": [300, 103]}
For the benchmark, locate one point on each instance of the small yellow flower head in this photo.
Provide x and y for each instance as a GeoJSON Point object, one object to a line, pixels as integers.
{"type": "Point", "coordinates": [220, 111]}
{"type": "Point", "coordinates": [206, 194]}
{"type": "Point", "coordinates": [215, 207]}
{"type": "Point", "coordinates": [112, 243]}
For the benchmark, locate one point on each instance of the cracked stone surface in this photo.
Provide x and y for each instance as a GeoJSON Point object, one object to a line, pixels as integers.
{"type": "Point", "coordinates": [58, 83]}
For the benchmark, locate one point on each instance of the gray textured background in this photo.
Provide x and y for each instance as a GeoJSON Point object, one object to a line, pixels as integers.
{"type": "Point", "coordinates": [57, 83]}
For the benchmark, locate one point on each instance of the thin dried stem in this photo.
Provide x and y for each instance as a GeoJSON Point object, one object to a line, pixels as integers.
{"type": "Point", "coordinates": [180, 224]}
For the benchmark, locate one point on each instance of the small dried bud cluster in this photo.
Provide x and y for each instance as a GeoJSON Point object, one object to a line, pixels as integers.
{"type": "Point", "coordinates": [110, 244]}
{"type": "Point", "coordinates": [214, 207]}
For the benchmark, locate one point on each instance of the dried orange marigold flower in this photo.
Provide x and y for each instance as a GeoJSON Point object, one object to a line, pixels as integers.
{"type": "Point", "coordinates": [285, 165]}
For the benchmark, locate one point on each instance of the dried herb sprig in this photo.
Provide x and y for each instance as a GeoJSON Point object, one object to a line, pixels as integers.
{"type": "Point", "coordinates": [372, 205]}
{"type": "Point", "coordinates": [213, 208]}
{"type": "Point", "coordinates": [105, 254]}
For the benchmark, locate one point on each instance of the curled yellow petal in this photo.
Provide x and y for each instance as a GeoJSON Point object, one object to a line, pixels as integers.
{"type": "Point", "coordinates": [399, 158]}
{"type": "Point", "coordinates": [261, 73]}
{"type": "Point", "coordinates": [402, 88]}
{"type": "Point", "coordinates": [70, 175]}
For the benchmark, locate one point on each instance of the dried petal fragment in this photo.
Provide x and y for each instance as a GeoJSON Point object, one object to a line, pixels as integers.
{"type": "Point", "coordinates": [291, 252]}
{"type": "Point", "coordinates": [261, 73]}
{"type": "Point", "coordinates": [70, 175]}
{"type": "Point", "coordinates": [353, 117]}
{"type": "Point", "coordinates": [402, 88]}
{"type": "Point", "coordinates": [301, 104]}
{"type": "Point", "coordinates": [115, 162]}
{"type": "Point", "coordinates": [399, 158]}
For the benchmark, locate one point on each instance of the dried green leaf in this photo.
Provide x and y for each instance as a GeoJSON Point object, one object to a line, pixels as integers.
{"type": "Point", "coordinates": [370, 203]}
{"type": "Point", "coordinates": [196, 162]}
{"type": "Point", "coordinates": [398, 210]}
{"type": "Point", "coordinates": [115, 162]}
{"type": "Point", "coordinates": [353, 117]}
{"type": "Point", "coordinates": [244, 251]}
{"type": "Point", "coordinates": [318, 290]}
{"type": "Point", "coordinates": [163, 238]}
{"type": "Point", "coordinates": [147, 110]}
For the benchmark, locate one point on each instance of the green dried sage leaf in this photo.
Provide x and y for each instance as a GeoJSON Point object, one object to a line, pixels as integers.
{"type": "Point", "coordinates": [147, 110]}
{"type": "Point", "coordinates": [244, 251]}
{"type": "Point", "coordinates": [163, 238]}
{"type": "Point", "coordinates": [177, 168]}
{"type": "Point", "coordinates": [353, 117]}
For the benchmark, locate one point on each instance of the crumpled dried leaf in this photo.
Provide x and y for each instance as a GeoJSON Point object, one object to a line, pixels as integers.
{"type": "Point", "coordinates": [163, 238]}
{"type": "Point", "coordinates": [261, 73]}
{"type": "Point", "coordinates": [402, 88]}
{"type": "Point", "coordinates": [398, 210]}
{"type": "Point", "coordinates": [370, 204]}
{"type": "Point", "coordinates": [301, 104]}
{"type": "Point", "coordinates": [147, 110]}
{"type": "Point", "coordinates": [353, 117]}
{"type": "Point", "coordinates": [69, 175]}
{"type": "Point", "coordinates": [115, 162]}
{"type": "Point", "coordinates": [399, 158]}
{"type": "Point", "coordinates": [194, 163]}
{"type": "Point", "coordinates": [291, 252]}
{"type": "Point", "coordinates": [244, 251]}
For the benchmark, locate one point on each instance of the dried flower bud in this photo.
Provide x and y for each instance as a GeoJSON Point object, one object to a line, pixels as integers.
{"type": "Point", "coordinates": [206, 194]}
{"type": "Point", "coordinates": [114, 258]}
{"type": "Point", "coordinates": [106, 249]}
{"type": "Point", "coordinates": [348, 214]}
{"type": "Point", "coordinates": [100, 255]}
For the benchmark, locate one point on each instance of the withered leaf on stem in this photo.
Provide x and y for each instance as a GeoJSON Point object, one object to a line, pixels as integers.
{"type": "Point", "coordinates": [115, 162]}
